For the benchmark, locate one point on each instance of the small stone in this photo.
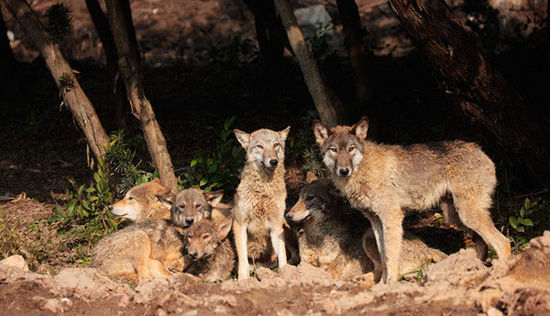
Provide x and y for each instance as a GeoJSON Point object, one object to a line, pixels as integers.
{"type": "Point", "coordinates": [16, 261]}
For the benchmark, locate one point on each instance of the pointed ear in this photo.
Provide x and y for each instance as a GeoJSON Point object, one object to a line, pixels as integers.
{"type": "Point", "coordinates": [224, 227]}
{"type": "Point", "coordinates": [156, 180]}
{"type": "Point", "coordinates": [310, 177]}
{"type": "Point", "coordinates": [360, 128]}
{"type": "Point", "coordinates": [320, 131]}
{"type": "Point", "coordinates": [213, 198]}
{"type": "Point", "coordinates": [242, 137]}
{"type": "Point", "coordinates": [167, 198]}
{"type": "Point", "coordinates": [284, 133]}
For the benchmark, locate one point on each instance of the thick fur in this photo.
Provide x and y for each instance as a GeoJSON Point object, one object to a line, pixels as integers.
{"type": "Point", "coordinates": [414, 253]}
{"type": "Point", "coordinates": [144, 250]}
{"type": "Point", "coordinates": [210, 245]}
{"type": "Point", "coordinates": [142, 203]}
{"type": "Point", "coordinates": [258, 215]}
{"type": "Point", "coordinates": [383, 181]}
{"type": "Point", "coordinates": [330, 233]}
{"type": "Point", "coordinates": [191, 205]}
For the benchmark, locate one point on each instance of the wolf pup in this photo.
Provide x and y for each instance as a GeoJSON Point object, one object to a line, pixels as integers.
{"type": "Point", "coordinates": [261, 194]}
{"type": "Point", "coordinates": [191, 205]}
{"type": "Point", "coordinates": [143, 202]}
{"type": "Point", "coordinates": [211, 250]}
{"type": "Point", "coordinates": [330, 240]}
{"type": "Point", "coordinates": [382, 181]}
{"type": "Point", "coordinates": [144, 250]}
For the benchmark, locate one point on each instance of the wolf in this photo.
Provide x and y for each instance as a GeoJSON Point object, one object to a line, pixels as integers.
{"type": "Point", "coordinates": [382, 181]}
{"type": "Point", "coordinates": [143, 202]}
{"type": "Point", "coordinates": [191, 205]}
{"type": "Point", "coordinates": [147, 249]}
{"type": "Point", "coordinates": [211, 249]}
{"type": "Point", "coordinates": [260, 198]}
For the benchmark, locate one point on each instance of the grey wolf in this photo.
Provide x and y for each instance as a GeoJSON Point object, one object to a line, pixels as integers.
{"type": "Point", "coordinates": [260, 198]}
{"type": "Point", "coordinates": [143, 202]}
{"type": "Point", "coordinates": [211, 249]}
{"type": "Point", "coordinates": [382, 181]}
{"type": "Point", "coordinates": [191, 205]}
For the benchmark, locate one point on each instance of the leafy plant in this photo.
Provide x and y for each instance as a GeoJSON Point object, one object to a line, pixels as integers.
{"type": "Point", "coordinates": [520, 223]}
{"type": "Point", "coordinates": [221, 169]}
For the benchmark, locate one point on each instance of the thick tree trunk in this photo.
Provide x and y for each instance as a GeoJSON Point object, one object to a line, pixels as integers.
{"type": "Point", "coordinates": [351, 24]}
{"type": "Point", "coordinates": [73, 96]}
{"type": "Point", "coordinates": [328, 105]}
{"type": "Point", "coordinates": [120, 20]}
{"type": "Point", "coordinates": [101, 25]}
{"type": "Point", "coordinates": [472, 84]}
{"type": "Point", "coordinates": [7, 59]}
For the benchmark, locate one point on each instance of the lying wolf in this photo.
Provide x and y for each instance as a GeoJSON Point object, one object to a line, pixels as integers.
{"type": "Point", "coordinates": [382, 181]}
{"type": "Point", "coordinates": [143, 202]}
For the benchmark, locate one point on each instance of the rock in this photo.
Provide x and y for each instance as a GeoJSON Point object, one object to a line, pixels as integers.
{"type": "Point", "coordinates": [16, 261]}
{"type": "Point", "coordinates": [461, 268]}
{"type": "Point", "coordinates": [87, 283]}
{"type": "Point", "coordinates": [54, 306]}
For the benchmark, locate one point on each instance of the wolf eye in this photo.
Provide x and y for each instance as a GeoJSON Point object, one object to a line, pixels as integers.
{"type": "Point", "coordinates": [130, 198]}
{"type": "Point", "coordinates": [276, 145]}
{"type": "Point", "coordinates": [309, 198]}
{"type": "Point", "coordinates": [351, 148]}
{"type": "Point", "coordinates": [197, 205]}
{"type": "Point", "coordinates": [260, 146]}
{"type": "Point", "coordinates": [205, 237]}
{"type": "Point", "coordinates": [182, 206]}
{"type": "Point", "coordinates": [333, 149]}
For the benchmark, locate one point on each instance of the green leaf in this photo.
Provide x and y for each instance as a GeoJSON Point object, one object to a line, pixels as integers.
{"type": "Point", "coordinates": [203, 182]}
{"type": "Point", "coordinates": [527, 222]}
{"type": "Point", "coordinates": [213, 168]}
{"type": "Point", "coordinates": [522, 211]}
{"type": "Point", "coordinates": [526, 203]}
{"type": "Point", "coordinates": [193, 162]}
{"type": "Point", "coordinates": [437, 215]}
{"type": "Point", "coordinates": [71, 205]}
{"type": "Point", "coordinates": [513, 222]}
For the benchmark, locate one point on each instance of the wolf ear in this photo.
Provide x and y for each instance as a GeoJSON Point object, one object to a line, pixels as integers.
{"type": "Point", "coordinates": [242, 137]}
{"type": "Point", "coordinates": [167, 198]}
{"type": "Point", "coordinates": [284, 133]}
{"type": "Point", "coordinates": [156, 180]}
{"type": "Point", "coordinates": [320, 131]}
{"type": "Point", "coordinates": [213, 198]}
{"type": "Point", "coordinates": [310, 177]}
{"type": "Point", "coordinates": [224, 227]}
{"type": "Point", "coordinates": [360, 128]}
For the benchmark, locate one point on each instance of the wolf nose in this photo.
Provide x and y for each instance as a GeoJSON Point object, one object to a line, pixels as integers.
{"type": "Point", "coordinates": [193, 254]}
{"type": "Point", "coordinates": [273, 162]}
{"type": "Point", "coordinates": [110, 207]}
{"type": "Point", "coordinates": [344, 172]}
{"type": "Point", "coordinates": [189, 221]}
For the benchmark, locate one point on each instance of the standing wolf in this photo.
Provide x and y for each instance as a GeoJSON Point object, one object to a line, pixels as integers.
{"type": "Point", "coordinates": [382, 181]}
{"type": "Point", "coordinates": [261, 194]}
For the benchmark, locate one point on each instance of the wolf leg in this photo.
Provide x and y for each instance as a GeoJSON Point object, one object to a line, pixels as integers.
{"type": "Point", "coordinates": [241, 240]}
{"type": "Point", "coordinates": [278, 242]}
{"type": "Point", "coordinates": [392, 237]}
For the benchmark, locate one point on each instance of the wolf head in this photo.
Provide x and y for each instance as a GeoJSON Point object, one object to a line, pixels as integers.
{"type": "Point", "coordinates": [314, 202]}
{"type": "Point", "coordinates": [142, 202]}
{"type": "Point", "coordinates": [203, 237]}
{"type": "Point", "coordinates": [342, 147]}
{"type": "Point", "coordinates": [191, 205]}
{"type": "Point", "coordinates": [264, 147]}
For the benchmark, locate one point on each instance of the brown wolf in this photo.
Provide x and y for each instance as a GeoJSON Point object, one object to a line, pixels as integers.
{"type": "Point", "coordinates": [382, 181]}
{"type": "Point", "coordinates": [144, 250]}
{"type": "Point", "coordinates": [191, 205]}
{"type": "Point", "coordinates": [260, 198]}
{"type": "Point", "coordinates": [211, 250]}
{"type": "Point", "coordinates": [143, 202]}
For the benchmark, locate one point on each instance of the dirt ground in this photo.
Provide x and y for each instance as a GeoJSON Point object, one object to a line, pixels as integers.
{"type": "Point", "coordinates": [458, 285]}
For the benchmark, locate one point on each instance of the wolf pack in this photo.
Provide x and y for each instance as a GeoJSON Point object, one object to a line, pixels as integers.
{"type": "Point", "coordinates": [349, 224]}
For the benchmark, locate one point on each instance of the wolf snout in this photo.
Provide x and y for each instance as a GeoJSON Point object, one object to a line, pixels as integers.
{"type": "Point", "coordinates": [193, 255]}
{"type": "Point", "coordinates": [343, 172]}
{"type": "Point", "coordinates": [188, 222]}
{"type": "Point", "coordinates": [110, 208]}
{"type": "Point", "coordinates": [273, 162]}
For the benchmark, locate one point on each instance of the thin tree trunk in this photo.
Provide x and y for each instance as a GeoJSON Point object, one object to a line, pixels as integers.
{"type": "Point", "coordinates": [106, 36]}
{"type": "Point", "coordinates": [120, 20]}
{"type": "Point", "coordinates": [329, 107]}
{"type": "Point", "coordinates": [472, 84]}
{"type": "Point", "coordinates": [73, 96]}
{"type": "Point", "coordinates": [351, 24]}
{"type": "Point", "coordinates": [7, 59]}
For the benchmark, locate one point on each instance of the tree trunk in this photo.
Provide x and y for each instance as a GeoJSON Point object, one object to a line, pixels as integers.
{"type": "Point", "coordinates": [329, 107]}
{"type": "Point", "coordinates": [351, 24]}
{"type": "Point", "coordinates": [7, 59]}
{"type": "Point", "coordinates": [472, 84]}
{"type": "Point", "coordinates": [120, 20]}
{"type": "Point", "coordinates": [106, 36]}
{"type": "Point", "coordinates": [73, 96]}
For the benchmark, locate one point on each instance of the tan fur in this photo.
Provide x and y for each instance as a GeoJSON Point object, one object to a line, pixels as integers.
{"type": "Point", "coordinates": [260, 199]}
{"type": "Point", "coordinates": [383, 181]}
{"type": "Point", "coordinates": [328, 240]}
{"type": "Point", "coordinates": [191, 205]}
{"type": "Point", "coordinates": [144, 250]}
{"type": "Point", "coordinates": [210, 245]}
{"type": "Point", "coordinates": [414, 253]}
{"type": "Point", "coordinates": [143, 202]}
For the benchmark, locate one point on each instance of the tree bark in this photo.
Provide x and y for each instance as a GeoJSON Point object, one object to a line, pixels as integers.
{"type": "Point", "coordinates": [73, 96]}
{"type": "Point", "coordinates": [351, 24]}
{"type": "Point", "coordinates": [328, 105]}
{"type": "Point", "coordinates": [106, 36]}
{"type": "Point", "coordinates": [472, 84]}
{"type": "Point", "coordinates": [7, 59]}
{"type": "Point", "coordinates": [120, 20]}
